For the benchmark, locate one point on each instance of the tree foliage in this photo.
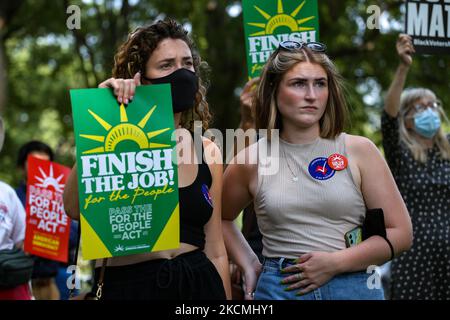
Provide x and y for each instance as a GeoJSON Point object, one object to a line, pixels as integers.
{"type": "Point", "coordinates": [41, 59]}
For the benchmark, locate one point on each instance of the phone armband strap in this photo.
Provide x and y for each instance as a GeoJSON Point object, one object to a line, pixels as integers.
{"type": "Point", "coordinates": [390, 247]}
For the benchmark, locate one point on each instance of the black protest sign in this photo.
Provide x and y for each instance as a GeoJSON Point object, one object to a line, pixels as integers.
{"type": "Point", "coordinates": [428, 22]}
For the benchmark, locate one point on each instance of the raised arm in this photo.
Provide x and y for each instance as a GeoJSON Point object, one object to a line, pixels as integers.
{"type": "Point", "coordinates": [405, 49]}
{"type": "Point", "coordinates": [247, 115]}
{"type": "Point", "coordinates": [246, 101]}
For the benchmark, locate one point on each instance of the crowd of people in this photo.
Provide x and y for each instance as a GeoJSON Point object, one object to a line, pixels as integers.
{"type": "Point", "coordinates": [307, 229]}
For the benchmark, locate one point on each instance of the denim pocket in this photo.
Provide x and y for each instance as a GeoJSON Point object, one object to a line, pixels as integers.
{"type": "Point", "coordinates": [352, 286]}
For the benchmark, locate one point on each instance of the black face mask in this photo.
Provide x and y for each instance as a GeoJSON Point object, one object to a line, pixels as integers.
{"type": "Point", "coordinates": [184, 85]}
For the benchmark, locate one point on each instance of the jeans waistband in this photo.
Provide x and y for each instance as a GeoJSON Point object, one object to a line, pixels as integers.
{"type": "Point", "coordinates": [279, 262]}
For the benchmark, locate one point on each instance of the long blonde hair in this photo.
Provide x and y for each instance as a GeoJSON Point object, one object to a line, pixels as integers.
{"type": "Point", "coordinates": [267, 115]}
{"type": "Point", "coordinates": [419, 150]}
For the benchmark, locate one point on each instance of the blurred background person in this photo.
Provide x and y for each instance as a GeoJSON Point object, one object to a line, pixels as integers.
{"type": "Point", "coordinates": [12, 230]}
{"type": "Point", "coordinates": [63, 272]}
{"type": "Point", "coordinates": [45, 270]}
{"type": "Point", "coordinates": [418, 154]}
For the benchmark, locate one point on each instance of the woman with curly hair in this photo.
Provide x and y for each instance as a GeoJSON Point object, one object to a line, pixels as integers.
{"type": "Point", "coordinates": [164, 53]}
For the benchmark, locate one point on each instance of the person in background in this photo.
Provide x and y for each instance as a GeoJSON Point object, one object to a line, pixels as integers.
{"type": "Point", "coordinates": [44, 270]}
{"type": "Point", "coordinates": [63, 272]}
{"type": "Point", "coordinates": [418, 153]}
{"type": "Point", "coordinates": [12, 230]}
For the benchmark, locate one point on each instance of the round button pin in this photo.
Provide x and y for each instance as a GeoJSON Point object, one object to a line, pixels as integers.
{"type": "Point", "coordinates": [320, 170]}
{"type": "Point", "coordinates": [206, 194]}
{"type": "Point", "coordinates": [337, 162]}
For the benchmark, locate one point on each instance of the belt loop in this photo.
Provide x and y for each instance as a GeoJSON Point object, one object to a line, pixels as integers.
{"type": "Point", "coordinates": [280, 263]}
{"type": "Point", "coordinates": [318, 294]}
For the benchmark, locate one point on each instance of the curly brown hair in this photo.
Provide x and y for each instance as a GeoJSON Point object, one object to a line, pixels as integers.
{"type": "Point", "coordinates": [134, 53]}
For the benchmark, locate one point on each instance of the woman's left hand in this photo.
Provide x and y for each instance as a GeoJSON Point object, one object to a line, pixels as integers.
{"type": "Point", "coordinates": [312, 270]}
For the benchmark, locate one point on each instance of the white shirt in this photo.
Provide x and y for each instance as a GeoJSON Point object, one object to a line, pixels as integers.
{"type": "Point", "coordinates": [12, 218]}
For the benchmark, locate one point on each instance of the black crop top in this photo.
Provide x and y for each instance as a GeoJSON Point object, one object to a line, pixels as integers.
{"type": "Point", "coordinates": [196, 207]}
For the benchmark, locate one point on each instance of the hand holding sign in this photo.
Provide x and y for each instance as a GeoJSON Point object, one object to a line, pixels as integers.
{"type": "Point", "coordinates": [124, 89]}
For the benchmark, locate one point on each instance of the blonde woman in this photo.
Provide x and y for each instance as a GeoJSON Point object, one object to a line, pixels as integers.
{"type": "Point", "coordinates": [418, 153]}
{"type": "Point", "coordinates": [306, 208]}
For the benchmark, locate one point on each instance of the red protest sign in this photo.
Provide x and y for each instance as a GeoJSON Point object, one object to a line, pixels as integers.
{"type": "Point", "coordinates": [48, 227]}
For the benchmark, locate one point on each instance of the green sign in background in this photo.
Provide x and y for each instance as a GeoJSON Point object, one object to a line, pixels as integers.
{"type": "Point", "coordinates": [119, 145]}
{"type": "Point", "coordinates": [268, 22]}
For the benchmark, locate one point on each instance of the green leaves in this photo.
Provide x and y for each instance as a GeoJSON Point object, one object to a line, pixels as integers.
{"type": "Point", "coordinates": [44, 60]}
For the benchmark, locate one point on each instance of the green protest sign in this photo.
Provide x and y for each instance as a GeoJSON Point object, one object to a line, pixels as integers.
{"type": "Point", "coordinates": [269, 22]}
{"type": "Point", "coordinates": [127, 181]}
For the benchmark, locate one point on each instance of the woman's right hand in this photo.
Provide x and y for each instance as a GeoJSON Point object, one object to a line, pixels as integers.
{"type": "Point", "coordinates": [124, 89]}
{"type": "Point", "coordinates": [248, 93]}
{"type": "Point", "coordinates": [405, 49]}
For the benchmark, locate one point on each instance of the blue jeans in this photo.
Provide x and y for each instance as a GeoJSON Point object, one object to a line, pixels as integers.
{"type": "Point", "coordinates": [61, 282]}
{"type": "Point", "coordinates": [348, 286]}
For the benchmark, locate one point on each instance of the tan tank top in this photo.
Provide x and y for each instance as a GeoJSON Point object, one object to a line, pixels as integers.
{"type": "Point", "coordinates": [298, 213]}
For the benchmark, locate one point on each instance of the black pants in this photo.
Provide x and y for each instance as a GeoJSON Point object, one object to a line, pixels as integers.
{"type": "Point", "coordinates": [189, 276]}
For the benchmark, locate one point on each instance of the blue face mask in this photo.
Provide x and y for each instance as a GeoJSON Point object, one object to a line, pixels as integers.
{"type": "Point", "coordinates": [427, 123]}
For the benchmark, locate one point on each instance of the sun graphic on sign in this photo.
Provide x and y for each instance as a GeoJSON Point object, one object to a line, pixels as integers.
{"type": "Point", "coordinates": [281, 19]}
{"type": "Point", "coordinates": [49, 180]}
{"type": "Point", "coordinates": [124, 131]}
